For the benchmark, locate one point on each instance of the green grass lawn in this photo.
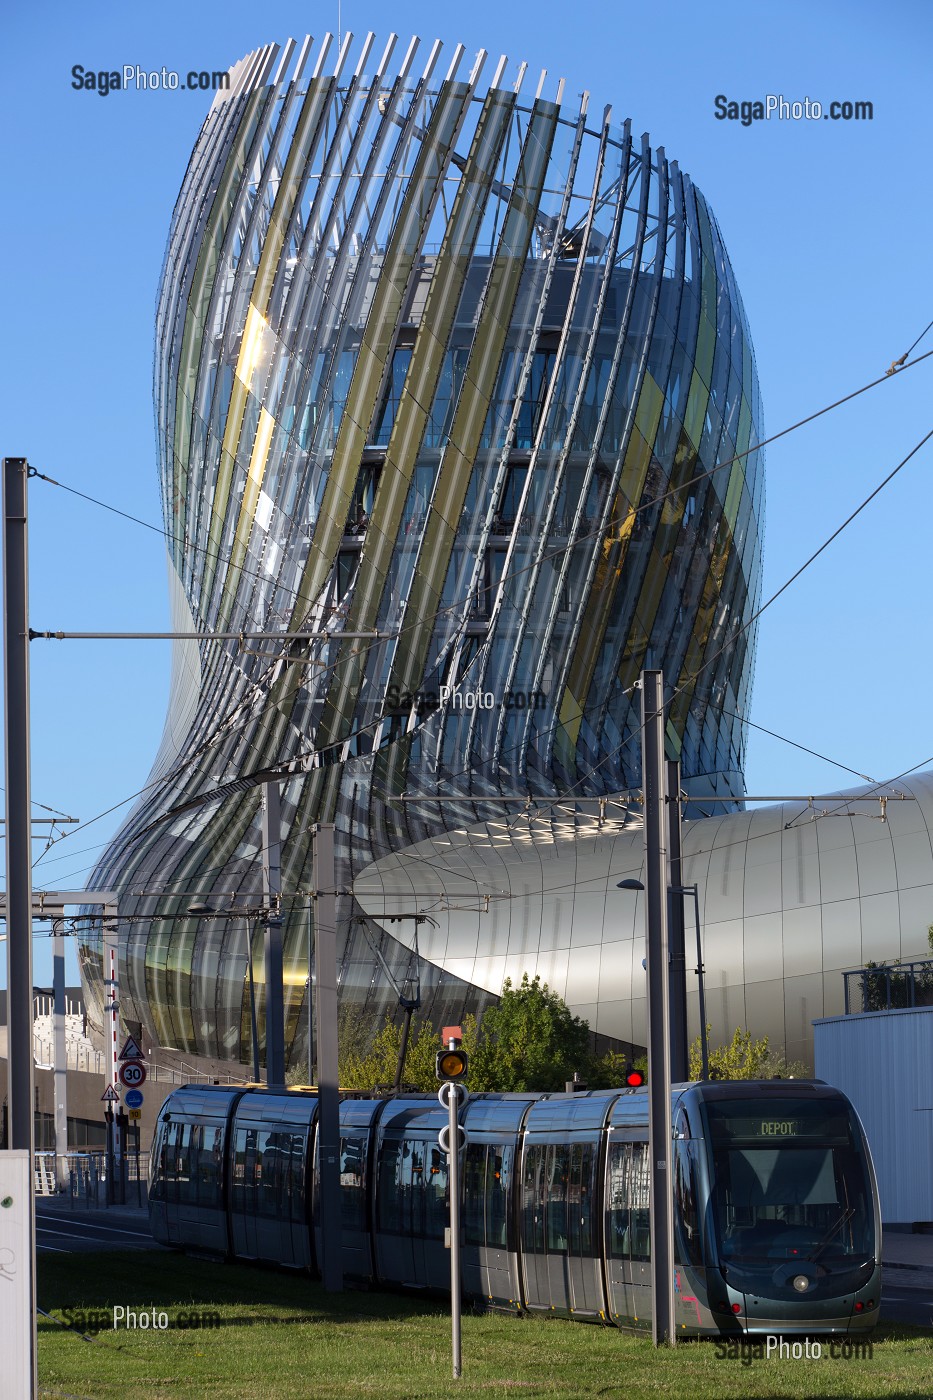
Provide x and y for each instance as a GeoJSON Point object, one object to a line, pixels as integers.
{"type": "Point", "coordinates": [282, 1336]}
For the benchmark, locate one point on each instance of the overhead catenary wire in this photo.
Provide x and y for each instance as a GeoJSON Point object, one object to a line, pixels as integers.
{"type": "Point", "coordinates": [186, 763]}
{"type": "Point", "coordinates": [222, 558]}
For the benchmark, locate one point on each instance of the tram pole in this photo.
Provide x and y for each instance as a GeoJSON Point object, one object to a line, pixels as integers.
{"type": "Point", "coordinates": [659, 1024]}
{"type": "Point", "coordinates": [680, 1060]}
{"type": "Point", "coordinates": [22, 1304]}
{"type": "Point", "coordinates": [325, 972]}
{"type": "Point", "coordinates": [272, 891]}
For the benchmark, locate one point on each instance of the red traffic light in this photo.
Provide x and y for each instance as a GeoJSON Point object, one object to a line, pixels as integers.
{"type": "Point", "coordinates": [634, 1078]}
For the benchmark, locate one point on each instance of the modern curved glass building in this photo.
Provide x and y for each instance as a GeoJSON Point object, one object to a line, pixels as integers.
{"type": "Point", "coordinates": [452, 373]}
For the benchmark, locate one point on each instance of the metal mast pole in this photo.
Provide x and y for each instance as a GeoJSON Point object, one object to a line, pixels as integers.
{"type": "Point", "coordinates": [659, 1047]}
{"type": "Point", "coordinates": [60, 1057]}
{"type": "Point", "coordinates": [272, 892]}
{"type": "Point", "coordinates": [19, 856]}
{"type": "Point", "coordinates": [704, 1034]}
{"type": "Point", "coordinates": [325, 972]}
{"type": "Point", "coordinates": [680, 1062]}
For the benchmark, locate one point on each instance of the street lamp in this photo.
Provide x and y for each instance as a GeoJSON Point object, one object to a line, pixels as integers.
{"type": "Point", "coordinates": [695, 891]}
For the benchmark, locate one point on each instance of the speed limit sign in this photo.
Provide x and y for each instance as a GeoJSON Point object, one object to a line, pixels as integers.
{"type": "Point", "coordinates": [132, 1073]}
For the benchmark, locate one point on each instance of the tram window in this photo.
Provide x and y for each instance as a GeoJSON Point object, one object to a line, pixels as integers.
{"type": "Point", "coordinates": [158, 1163]}
{"type": "Point", "coordinates": [775, 1203]}
{"type": "Point", "coordinates": [238, 1182]}
{"type": "Point", "coordinates": [558, 1175]}
{"type": "Point", "coordinates": [639, 1185]}
{"type": "Point", "coordinates": [686, 1220]}
{"type": "Point", "coordinates": [580, 1199]}
{"type": "Point", "coordinates": [268, 1200]}
{"type": "Point", "coordinates": [289, 1179]}
{"type": "Point", "coordinates": [178, 1185]}
{"type": "Point", "coordinates": [629, 1228]}
{"type": "Point", "coordinates": [474, 1174]}
{"type": "Point", "coordinates": [436, 1210]}
{"type": "Point", "coordinates": [401, 1189]}
{"type": "Point", "coordinates": [210, 1162]}
{"type": "Point", "coordinates": [249, 1171]}
{"type": "Point", "coordinates": [388, 1205]}
{"type": "Point", "coordinates": [188, 1162]}
{"type": "Point", "coordinates": [617, 1230]}
{"type": "Point", "coordinates": [485, 1192]}
{"type": "Point", "coordinates": [498, 1172]}
{"type": "Point", "coordinates": [533, 1197]}
{"type": "Point", "coordinates": [352, 1197]}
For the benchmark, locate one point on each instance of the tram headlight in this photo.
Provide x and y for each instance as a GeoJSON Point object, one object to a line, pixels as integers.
{"type": "Point", "coordinates": [801, 1283]}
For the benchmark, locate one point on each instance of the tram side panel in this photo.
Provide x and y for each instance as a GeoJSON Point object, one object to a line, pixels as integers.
{"type": "Point", "coordinates": [358, 1119]}
{"type": "Point", "coordinates": [412, 1210]}
{"type": "Point", "coordinates": [270, 1146]}
{"type": "Point", "coordinates": [187, 1182]}
{"type": "Point", "coordinates": [561, 1235]}
{"type": "Point", "coordinates": [489, 1257]}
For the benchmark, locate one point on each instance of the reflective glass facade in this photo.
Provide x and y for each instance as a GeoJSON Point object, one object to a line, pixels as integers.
{"type": "Point", "coordinates": [449, 364]}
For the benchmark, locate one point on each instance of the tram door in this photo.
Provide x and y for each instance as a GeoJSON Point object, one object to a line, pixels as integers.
{"type": "Point", "coordinates": [561, 1272]}
{"type": "Point", "coordinates": [268, 1209]}
{"type": "Point", "coordinates": [412, 1213]}
{"type": "Point", "coordinates": [628, 1235]}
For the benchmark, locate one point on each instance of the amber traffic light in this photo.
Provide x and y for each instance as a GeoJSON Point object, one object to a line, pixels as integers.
{"type": "Point", "coordinates": [452, 1065]}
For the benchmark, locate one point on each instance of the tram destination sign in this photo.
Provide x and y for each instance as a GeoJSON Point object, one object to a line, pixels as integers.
{"type": "Point", "coordinates": [777, 1123]}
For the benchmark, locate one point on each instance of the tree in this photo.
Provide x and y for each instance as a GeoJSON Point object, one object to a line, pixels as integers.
{"type": "Point", "coordinates": [530, 1041]}
{"type": "Point", "coordinates": [744, 1058]}
{"type": "Point", "coordinates": [375, 1067]}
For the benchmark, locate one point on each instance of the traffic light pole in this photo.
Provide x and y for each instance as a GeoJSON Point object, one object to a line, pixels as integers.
{"type": "Point", "coordinates": [453, 1126]}
{"type": "Point", "coordinates": [451, 1067]}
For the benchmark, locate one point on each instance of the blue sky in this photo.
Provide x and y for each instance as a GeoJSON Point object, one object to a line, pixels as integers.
{"type": "Point", "coordinates": [827, 224]}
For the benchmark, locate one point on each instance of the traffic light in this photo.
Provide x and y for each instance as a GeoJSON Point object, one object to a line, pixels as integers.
{"type": "Point", "coordinates": [452, 1063]}
{"type": "Point", "coordinates": [634, 1077]}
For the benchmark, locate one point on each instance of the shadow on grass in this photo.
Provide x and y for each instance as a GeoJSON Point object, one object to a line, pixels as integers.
{"type": "Point", "coordinates": [140, 1280]}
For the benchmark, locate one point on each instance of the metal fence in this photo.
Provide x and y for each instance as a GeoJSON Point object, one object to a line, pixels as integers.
{"type": "Point", "coordinates": [889, 986]}
{"type": "Point", "coordinates": [91, 1178]}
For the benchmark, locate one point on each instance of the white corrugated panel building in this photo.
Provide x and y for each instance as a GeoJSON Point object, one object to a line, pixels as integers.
{"type": "Point", "coordinates": [883, 1060]}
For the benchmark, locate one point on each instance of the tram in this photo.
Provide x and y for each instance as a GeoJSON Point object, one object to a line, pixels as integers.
{"type": "Point", "coordinates": [776, 1218]}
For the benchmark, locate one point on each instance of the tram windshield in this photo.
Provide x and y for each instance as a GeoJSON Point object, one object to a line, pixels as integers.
{"type": "Point", "coordinates": [790, 1181]}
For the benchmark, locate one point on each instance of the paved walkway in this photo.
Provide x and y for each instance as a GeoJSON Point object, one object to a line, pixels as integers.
{"type": "Point", "coordinates": [907, 1261]}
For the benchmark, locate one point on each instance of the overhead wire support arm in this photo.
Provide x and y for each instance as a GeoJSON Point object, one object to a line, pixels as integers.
{"type": "Point", "coordinates": [209, 636]}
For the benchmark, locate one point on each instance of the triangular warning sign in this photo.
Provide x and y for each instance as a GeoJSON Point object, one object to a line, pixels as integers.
{"type": "Point", "coordinates": [110, 1095]}
{"type": "Point", "coordinates": [131, 1050]}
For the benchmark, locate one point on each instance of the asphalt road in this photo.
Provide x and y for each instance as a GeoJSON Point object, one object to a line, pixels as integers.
{"type": "Point", "coordinates": [82, 1231]}
{"type": "Point", "coordinates": [902, 1304]}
